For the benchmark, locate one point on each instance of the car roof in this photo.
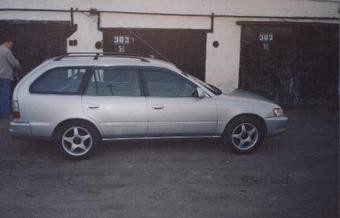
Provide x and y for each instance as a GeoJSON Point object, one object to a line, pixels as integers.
{"type": "Point", "coordinates": [104, 59]}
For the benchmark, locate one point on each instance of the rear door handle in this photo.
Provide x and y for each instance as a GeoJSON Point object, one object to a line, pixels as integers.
{"type": "Point", "coordinates": [158, 107]}
{"type": "Point", "coordinates": [93, 106]}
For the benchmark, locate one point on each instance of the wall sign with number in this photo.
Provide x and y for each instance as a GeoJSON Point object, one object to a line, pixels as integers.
{"type": "Point", "coordinates": [121, 41]}
{"type": "Point", "coordinates": [265, 39]}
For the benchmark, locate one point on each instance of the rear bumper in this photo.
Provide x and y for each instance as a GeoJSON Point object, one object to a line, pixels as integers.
{"type": "Point", "coordinates": [23, 130]}
{"type": "Point", "coordinates": [276, 125]}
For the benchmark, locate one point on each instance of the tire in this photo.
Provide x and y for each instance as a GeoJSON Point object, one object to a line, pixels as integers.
{"type": "Point", "coordinates": [244, 134]}
{"type": "Point", "coordinates": [77, 139]}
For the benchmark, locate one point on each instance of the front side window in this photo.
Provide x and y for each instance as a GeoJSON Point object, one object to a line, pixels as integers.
{"type": "Point", "coordinates": [114, 82]}
{"type": "Point", "coordinates": [208, 86]}
{"type": "Point", "coordinates": [59, 81]}
{"type": "Point", "coordinates": [162, 83]}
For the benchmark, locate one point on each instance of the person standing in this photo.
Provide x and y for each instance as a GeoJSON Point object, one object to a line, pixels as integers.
{"type": "Point", "coordinates": [8, 65]}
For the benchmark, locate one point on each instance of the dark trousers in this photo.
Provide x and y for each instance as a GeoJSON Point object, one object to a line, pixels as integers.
{"type": "Point", "coordinates": [5, 95]}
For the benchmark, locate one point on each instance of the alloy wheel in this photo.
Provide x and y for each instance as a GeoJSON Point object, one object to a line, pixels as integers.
{"type": "Point", "coordinates": [245, 136]}
{"type": "Point", "coordinates": [77, 141]}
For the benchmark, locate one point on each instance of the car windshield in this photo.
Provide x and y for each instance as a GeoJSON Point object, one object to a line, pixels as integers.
{"type": "Point", "coordinates": [208, 86]}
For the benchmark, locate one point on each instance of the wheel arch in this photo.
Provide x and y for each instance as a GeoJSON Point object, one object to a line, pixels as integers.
{"type": "Point", "coordinates": [75, 120]}
{"type": "Point", "coordinates": [248, 115]}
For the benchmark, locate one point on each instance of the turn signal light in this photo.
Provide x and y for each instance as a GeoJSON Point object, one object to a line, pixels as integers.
{"type": "Point", "coordinates": [16, 115]}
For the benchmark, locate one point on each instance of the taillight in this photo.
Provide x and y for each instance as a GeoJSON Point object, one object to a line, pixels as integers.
{"type": "Point", "coordinates": [16, 110]}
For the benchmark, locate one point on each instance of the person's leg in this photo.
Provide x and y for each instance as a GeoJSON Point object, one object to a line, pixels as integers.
{"type": "Point", "coordinates": [2, 82]}
{"type": "Point", "coordinates": [5, 98]}
{"type": "Point", "coordinates": [12, 86]}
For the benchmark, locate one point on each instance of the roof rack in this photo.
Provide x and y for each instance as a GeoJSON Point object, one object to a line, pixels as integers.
{"type": "Point", "coordinates": [96, 55]}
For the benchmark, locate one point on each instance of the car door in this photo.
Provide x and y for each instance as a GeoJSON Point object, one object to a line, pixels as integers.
{"type": "Point", "coordinates": [56, 91]}
{"type": "Point", "coordinates": [173, 108]}
{"type": "Point", "coordinates": [113, 98]}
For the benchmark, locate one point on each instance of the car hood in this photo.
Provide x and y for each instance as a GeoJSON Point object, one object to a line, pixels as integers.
{"type": "Point", "coordinates": [246, 95]}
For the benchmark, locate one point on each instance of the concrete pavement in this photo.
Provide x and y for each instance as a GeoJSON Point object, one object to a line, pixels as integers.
{"type": "Point", "coordinates": [293, 175]}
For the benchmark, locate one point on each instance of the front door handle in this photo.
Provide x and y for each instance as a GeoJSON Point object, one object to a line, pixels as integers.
{"type": "Point", "coordinates": [158, 107]}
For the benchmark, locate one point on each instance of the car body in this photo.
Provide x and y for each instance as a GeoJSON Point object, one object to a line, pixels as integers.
{"type": "Point", "coordinates": [78, 100]}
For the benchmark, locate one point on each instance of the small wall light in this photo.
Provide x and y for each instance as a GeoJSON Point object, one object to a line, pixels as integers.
{"type": "Point", "coordinates": [98, 45]}
{"type": "Point", "coordinates": [93, 11]}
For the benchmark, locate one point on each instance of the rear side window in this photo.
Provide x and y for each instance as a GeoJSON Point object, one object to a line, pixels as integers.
{"type": "Point", "coordinates": [59, 81]}
{"type": "Point", "coordinates": [114, 82]}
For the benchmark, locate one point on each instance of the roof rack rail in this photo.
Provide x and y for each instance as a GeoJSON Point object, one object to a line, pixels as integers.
{"type": "Point", "coordinates": [96, 55]}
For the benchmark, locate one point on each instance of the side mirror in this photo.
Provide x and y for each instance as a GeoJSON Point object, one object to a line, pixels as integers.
{"type": "Point", "coordinates": [200, 93]}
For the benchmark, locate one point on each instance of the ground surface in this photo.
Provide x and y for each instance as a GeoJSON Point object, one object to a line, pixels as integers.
{"type": "Point", "coordinates": [293, 175]}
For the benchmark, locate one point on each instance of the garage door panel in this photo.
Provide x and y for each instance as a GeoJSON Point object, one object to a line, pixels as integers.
{"type": "Point", "coordinates": [183, 47]}
{"type": "Point", "coordinates": [294, 65]}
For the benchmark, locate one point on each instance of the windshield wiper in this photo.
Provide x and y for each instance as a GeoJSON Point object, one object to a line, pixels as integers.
{"type": "Point", "coordinates": [216, 90]}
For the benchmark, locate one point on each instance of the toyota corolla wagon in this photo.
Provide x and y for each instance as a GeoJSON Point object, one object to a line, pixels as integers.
{"type": "Point", "coordinates": [80, 99]}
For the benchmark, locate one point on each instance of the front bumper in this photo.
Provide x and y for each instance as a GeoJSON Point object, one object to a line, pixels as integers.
{"type": "Point", "coordinates": [276, 125]}
{"type": "Point", "coordinates": [21, 129]}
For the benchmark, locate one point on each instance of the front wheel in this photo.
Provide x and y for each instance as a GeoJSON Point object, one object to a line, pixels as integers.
{"type": "Point", "coordinates": [77, 140]}
{"type": "Point", "coordinates": [244, 135]}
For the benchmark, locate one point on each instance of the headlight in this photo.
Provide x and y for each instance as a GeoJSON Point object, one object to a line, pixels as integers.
{"type": "Point", "coordinates": [278, 112]}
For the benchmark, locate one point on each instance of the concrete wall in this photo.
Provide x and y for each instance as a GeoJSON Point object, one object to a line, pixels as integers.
{"type": "Point", "coordinates": [222, 63]}
{"type": "Point", "coordinates": [231, 7]}
{"type": "Point", "coordinates": [87, 33]}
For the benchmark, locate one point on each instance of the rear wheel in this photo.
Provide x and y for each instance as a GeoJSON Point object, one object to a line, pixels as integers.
{"type": "Point", "coordinates": [77, 140]}
{"type": "Point", "coordinates": [244, 134]}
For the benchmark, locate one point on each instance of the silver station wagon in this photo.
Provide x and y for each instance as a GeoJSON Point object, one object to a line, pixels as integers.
{"type": "Point", "coordinates": [80, 99]}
